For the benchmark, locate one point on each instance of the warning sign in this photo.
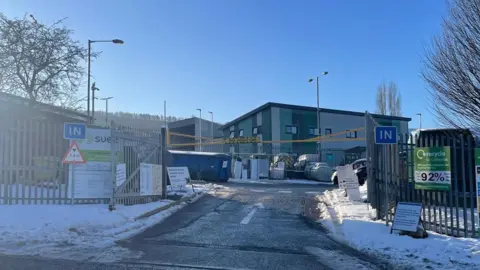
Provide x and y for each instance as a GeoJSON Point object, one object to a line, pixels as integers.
{"type": "Point", "coordinates": [73, 155]}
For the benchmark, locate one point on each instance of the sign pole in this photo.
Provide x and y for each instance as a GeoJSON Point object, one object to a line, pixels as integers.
{"type": "Point", "coordinates": [385, 164]}
{"type": "Point", "coordinates": [73, 184]}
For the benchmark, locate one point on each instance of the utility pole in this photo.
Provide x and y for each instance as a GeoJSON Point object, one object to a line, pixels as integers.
{"type": "Point", "coordinates": [211, 113]}
{"type": "Point", "coordinates": [319, 146]}
{"type": "Point", "coordinates": [420, 119]}
{"type": "Point", "coordinates": [106, 109]}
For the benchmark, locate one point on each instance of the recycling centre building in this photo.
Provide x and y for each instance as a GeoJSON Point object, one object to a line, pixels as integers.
{"type": "Point", "coordinates": [292, 129]}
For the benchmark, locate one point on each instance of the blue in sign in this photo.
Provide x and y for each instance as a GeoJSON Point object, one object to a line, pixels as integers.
{"type": "Point", "coordinates": [74, 131]}
{"type": "Point", "coordinates": [385, 135]}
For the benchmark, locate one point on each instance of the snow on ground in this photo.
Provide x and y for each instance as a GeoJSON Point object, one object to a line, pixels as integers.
{"type": "Point", "coordinates": [80, 232]}
{"type": "Point", "coordinates": [267, 181]}
{"type": "Point", "coordinates": [351, 222]}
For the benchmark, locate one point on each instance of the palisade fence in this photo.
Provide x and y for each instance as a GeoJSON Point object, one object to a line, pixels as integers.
{"type": "Point", "coordinates": [30, 162]}
{"type": "Point", "coordinates": [31, 169]}
{"type": "Point", "coordinates": [391, 180]}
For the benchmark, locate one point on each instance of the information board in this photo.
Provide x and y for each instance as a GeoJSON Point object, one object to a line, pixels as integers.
{"type": "Point", "coordinates": [179, 176]}
{"type": "Point", "coordinates": [93, 178]}
{"type": "Point", "coordinates": [432, 168]}
{"type": "Point", "coordinates": [150, 179]}
{"type": "Point", "coordinates": [407, 216]}
{"type": "Point", "coordinates": [121, 174]}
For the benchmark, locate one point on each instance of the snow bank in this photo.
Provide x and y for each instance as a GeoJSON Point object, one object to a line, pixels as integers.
{"type": "Point", "coordinates": [80, 232]}
{"type": "Point", "coordinates": [351, 222]}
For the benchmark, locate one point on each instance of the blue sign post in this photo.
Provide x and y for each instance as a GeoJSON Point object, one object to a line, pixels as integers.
{"type": "Point", "coordinates": [385, 135]}
{"type": "Point", "coordinates": [74, 131]}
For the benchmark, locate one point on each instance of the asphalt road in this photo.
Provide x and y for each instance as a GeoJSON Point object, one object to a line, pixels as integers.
{"type": "Point", "coordinates": [242, 226]}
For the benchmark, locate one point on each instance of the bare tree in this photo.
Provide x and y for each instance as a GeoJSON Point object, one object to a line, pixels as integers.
{"type": "Point", "coordinates": [452, 67]}
{"type": "Point", "coordinates": [388, 99]}
{"type": "Point", "coordinates": [40, 62]}
{"type": "Point", "coordinates": [382, 99]}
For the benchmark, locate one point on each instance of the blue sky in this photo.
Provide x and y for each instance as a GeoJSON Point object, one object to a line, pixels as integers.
{"type": "Point", "coordinates": [232, 56]}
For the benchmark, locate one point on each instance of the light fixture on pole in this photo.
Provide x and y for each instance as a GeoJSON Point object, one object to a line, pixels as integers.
{"type": "Point", "coordinates": [211, 113]}
{"type": "Point", "coordinates": [115, 41]}
{"type": "Point", "coordinates": [106, 109]}
{"type": "Point", "coordinates": [318, 114]}
{"type": "Point", "coordinates": [420, 120]}
{"type": "Point", "coordinates": [200, 129]}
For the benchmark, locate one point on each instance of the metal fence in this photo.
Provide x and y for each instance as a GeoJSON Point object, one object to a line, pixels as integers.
{"type": "Point", "coordinates": [391, 180]}
{"type": "Point", "coordinates": [30, 162]}
{"type": "Point", "coordinates": [140, 152]}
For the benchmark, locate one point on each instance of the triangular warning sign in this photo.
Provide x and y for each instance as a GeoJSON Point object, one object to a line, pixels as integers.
{"type": "Point", "coordinates": [73, 155]}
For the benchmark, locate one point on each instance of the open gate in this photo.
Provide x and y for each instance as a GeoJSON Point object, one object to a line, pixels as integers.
{"type": "Point", "coordinates": [137, 171]}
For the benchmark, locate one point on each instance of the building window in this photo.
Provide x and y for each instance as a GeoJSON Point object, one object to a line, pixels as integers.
{"type": "Point", "coordinates": [328, 131]}
{"type": "Point", "coordinates": [291, 129]}
{"type": "Point", "coordinates": [255, 131]}
{"type": "Point", "coordinates": [232, 134]}
{"type": "Point", "coordinates": [312, 131]}
{"type": "Point", "coordinates": [240, 133]}
{"type": "Point", "coordinates": [350, 134]}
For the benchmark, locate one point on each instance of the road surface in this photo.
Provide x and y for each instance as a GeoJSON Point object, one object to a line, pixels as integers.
{"type": "Point", "coordinates": [242, 226]}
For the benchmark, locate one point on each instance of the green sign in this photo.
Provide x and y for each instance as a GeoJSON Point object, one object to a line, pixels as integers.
{"type": "Point", "coordinates": [432, 168]}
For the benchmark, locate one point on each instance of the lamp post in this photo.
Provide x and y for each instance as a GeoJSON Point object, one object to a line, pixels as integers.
{"type": "Point", "coordinates": [318, 113]}
{"type": "Point", "coordinates": [200, 128]}
{"type": "Point", "coordinates": [106, 109]}
{"type": "Point", "coordinates": [115, 41]}
{"type": "Point", "coordinates": [420, 119]}
{"type": "Point", "coordinates": [211, 113]}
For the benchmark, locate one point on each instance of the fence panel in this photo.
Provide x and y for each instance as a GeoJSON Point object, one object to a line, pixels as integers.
{"type": "Point", "coordinates": [391, 180]}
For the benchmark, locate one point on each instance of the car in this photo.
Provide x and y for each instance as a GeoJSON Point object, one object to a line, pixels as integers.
{"type": "Point", "coordinates": [320, 171]}
{"type": "Point", "coordinates": [359, 168]}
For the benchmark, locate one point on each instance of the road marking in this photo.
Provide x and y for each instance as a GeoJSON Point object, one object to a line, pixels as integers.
{"type": "Point", "coordinates": [247, 218]}
{"type": "Point", "coordinates": [257, 190]}
{"type": "Point", "coordinates": [284, 191]}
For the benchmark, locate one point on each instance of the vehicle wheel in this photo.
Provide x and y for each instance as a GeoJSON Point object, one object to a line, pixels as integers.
{"type": "Point", "coordinates": [335, 181]}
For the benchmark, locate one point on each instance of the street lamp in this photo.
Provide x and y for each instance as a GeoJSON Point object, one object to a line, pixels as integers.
{"type": "Point", "coordinates": [106, 109]}
{"type": "Point", "coordinates": [318, 113]}
{"type": "Point", "coordinates": [115, 41]}
{"type": "Point", "coordinates": [212, 122]}
{"type": "Point", "coordinates": [420, 116]}
{"type": "Point", "coordinates": [200, 127]}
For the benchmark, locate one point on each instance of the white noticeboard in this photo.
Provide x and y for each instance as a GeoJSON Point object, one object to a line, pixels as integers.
{"type": "Point", "coordinates": [179, 176]}
{"type": "Point", "coordinates": [407, 216]}
{"type": "Point", "coordinates": [348, 180]}
{"type": "Point", "coordinates": [121, 174]}
{"type": "Point", "coordinates": [92, 179]}
{"type": "Point", "coordinates": [150, 179]}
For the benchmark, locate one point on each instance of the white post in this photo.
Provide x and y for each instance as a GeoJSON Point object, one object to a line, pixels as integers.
{"type": "Point", "coordinates": [73, 183]}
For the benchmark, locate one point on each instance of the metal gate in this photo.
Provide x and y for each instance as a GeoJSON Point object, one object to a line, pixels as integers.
{"type": "Point", "coordinates": [391, 173]}
{"type": "Point", "coordinates": [137, 172]}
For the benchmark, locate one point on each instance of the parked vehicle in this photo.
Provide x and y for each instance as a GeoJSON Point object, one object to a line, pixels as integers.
{"type": "Point", "coordinates": [359, 168]}
{"type": "Point", "coordinates": [304, 160]}
{"type": "Point", "coordinates": [319, 171]}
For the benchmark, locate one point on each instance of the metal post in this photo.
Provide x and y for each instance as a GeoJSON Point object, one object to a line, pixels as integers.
{"type": "Point", "coordinates": [318, 123]}
{"type": "Point", "coordinates": [385, 179]}
{"type": "Point", "coordinates": [163, 148]}
{"type": "Point", "coordinates": [88, 76]}
{"type": "Point", "coordinates": [113, 164]}
{"type": "Point", "coordinates": [106, 112]}
{"type": "Point", "coordinates": [93, 102]}
{"type": "Point", "coordinates": [73, 184]}
{"type": "Point", "coordinates": [200, 129]}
